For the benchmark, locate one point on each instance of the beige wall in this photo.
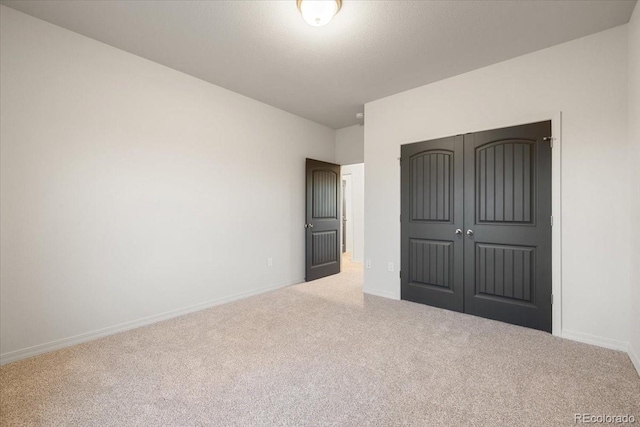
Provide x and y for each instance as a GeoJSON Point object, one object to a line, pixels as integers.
{"type": "Point", "coordinates": [586, 80]}
{"type": "Point", "coordinates": [130, 191]}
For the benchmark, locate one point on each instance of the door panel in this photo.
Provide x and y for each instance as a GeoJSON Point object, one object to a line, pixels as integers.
{"type": "Point", "coordinates": [508, 210]}
{"type": "Point", "coordinates": [325, 194]}
{"type": "Point", "coordinates": [432, 252]}
{"type": "Point", "coordinates": [322, 219]}
{"type": "Point", "coordinates": [431, 263]}
{"type": "Point", "coordinates": [324, 247]}
{"type": "Point", "coordinates": [432, 189]}
{"type": "Point", "coordinates": [505, 271]}
{"type": "Point", "coordinates": [504, 183]}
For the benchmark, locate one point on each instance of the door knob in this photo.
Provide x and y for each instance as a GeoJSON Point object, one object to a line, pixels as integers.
{"type": "Point", "coordinates": [308, 226]}
{"type": "Point", "coordinates": [458, 232]}
{"type": "Point", "coordinates": [469, 232]}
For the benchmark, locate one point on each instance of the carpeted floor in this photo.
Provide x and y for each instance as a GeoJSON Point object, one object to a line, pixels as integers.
{"type": "Point", "coordinates": [321, 353]}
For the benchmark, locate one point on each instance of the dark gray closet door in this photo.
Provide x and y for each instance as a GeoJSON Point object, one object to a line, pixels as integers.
{"type": "Point", "coordinates": [322, 219]}
{"type": "Point", "coordinates": [432, 211]}
{"type": "Point", "coordinates": [507, 225]}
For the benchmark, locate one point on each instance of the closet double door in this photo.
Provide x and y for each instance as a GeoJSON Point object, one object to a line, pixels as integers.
{"type": "Point", "coordinates": [476, 224]}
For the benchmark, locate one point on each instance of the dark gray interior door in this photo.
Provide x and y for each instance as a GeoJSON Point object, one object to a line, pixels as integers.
{"type": "Point", "coordinates": [322, 219]}
{"type": "Point", "coordinates": [508, 225]}
{"type": "Point", "coordinates": [494, 189]}
{"type": "Point", "coordinates": [432, 212]}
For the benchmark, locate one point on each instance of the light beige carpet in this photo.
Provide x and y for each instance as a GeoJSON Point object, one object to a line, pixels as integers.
{"type": "Point", "coordinates": [321, 353]}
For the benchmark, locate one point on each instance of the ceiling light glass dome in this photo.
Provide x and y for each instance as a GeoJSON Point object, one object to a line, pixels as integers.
{"type": "Point", "coordinates": [318, 12]}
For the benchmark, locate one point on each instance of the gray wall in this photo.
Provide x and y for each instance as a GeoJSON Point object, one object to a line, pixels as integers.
{"type": "Point", "coordinates": [131, 192]}
{"type": "Point", "coordinates": [586, 80]}
{"type": "Point", "coordinates": [350, 145]}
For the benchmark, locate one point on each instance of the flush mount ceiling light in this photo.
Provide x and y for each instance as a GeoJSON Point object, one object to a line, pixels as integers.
{"type": "Point", "coordinates": [318, 12]}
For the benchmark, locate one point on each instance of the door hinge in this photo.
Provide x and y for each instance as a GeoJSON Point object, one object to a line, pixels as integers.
{"type": "Point", "coordinates": [400, 273]}
{"type": "Point", "coordinates": [552, 220]}
{"type": "Point", "coordinates": [550, 139]}
{"type": "Point", "coordinates": [400, 161]}
{"type": "Point", "coordinates": [551, 299]}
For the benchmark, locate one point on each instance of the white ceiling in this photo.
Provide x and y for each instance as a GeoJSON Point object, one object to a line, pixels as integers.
{"type": "Point", "coordinates": [264, 50]}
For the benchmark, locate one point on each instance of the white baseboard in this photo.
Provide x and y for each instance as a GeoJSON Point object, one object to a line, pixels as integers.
{"type": "Point", "coordinates": [595, 340]}
{"type": "Point", "coordinates": [16, 355]}
{"type": "Point", "coordinates": [635, 357]}
{"type": "Point", "coordinates": [382, 294]}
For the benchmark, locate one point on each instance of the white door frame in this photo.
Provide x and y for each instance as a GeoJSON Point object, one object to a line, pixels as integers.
{"type": "Point", "coordinates": [348, 197]}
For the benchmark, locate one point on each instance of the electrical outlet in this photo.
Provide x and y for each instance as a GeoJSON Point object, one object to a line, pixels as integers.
{"type": "Point", "coordinates": [368, 263]}
{"type": "Point", "coordinates": [269, 262]}
{"type": "Point", "coordinates": [390, 266]}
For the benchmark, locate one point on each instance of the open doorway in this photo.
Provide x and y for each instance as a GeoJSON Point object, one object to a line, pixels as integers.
{"type": "Point", "coordinates": [352, 224]}
{"type": "Point", "coordinates": [347, 215]}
